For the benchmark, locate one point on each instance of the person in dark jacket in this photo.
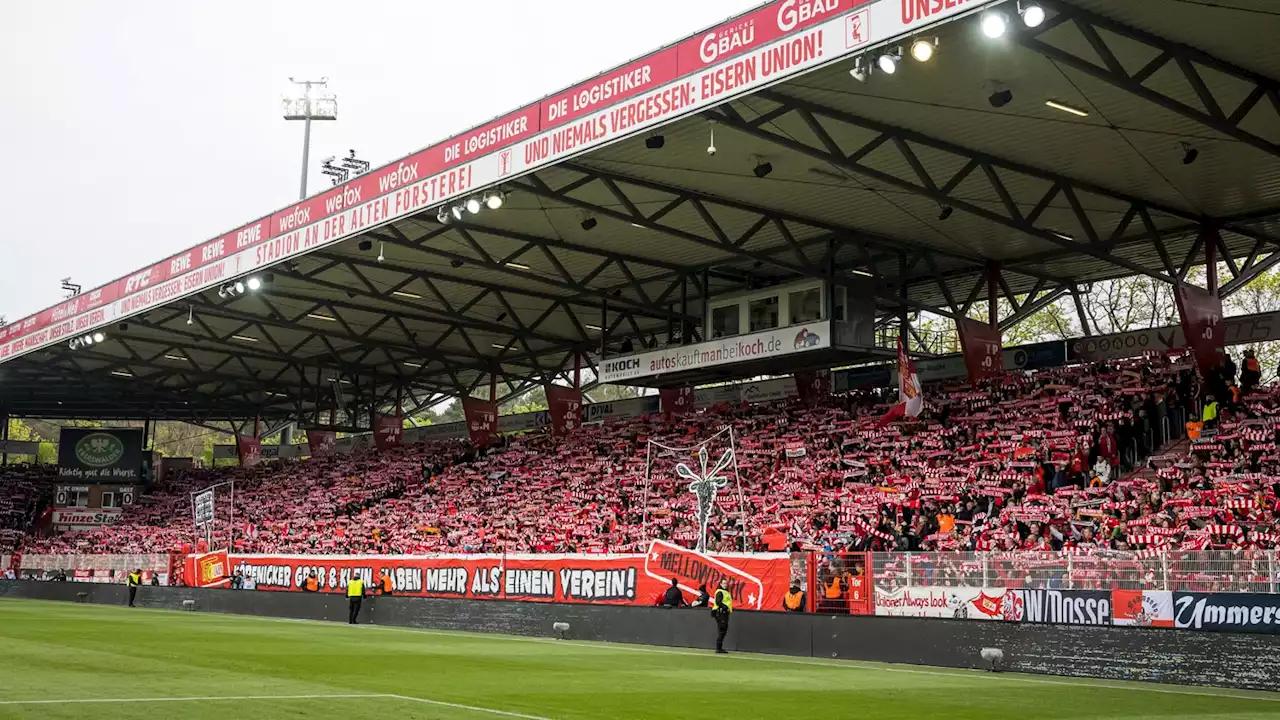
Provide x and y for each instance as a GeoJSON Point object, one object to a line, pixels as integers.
{"type": "Point", "coordinates": [704, 598]}
{"type": "Point", "coordinates": [673, 597]}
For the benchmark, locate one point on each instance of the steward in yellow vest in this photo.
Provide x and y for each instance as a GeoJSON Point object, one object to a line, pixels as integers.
{"type": "Point", "coordinates": [721, 609]}
{"type": "Point", "coordinates": [355, 596]}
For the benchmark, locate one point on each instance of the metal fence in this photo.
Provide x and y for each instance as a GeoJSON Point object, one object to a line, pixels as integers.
{"type": "Point", "coordinates": [1251, 570]}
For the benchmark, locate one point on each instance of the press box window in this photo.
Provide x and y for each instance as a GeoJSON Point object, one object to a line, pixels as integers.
{"type": "Point", "coordinates": [805, 305]}
{"type": "Point", "coordinates": [724, 321]}
{"type": "Point", "coordinates": [79, 498]}
{"type": "Point", "coordinates": [763, 313]}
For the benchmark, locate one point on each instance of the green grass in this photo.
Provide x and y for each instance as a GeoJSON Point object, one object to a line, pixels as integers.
{"type": "Point", "coordinates": [60, 651]}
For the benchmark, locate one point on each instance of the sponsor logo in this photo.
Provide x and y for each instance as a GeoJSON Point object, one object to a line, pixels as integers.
{"type": "Point", "coordinates": [1242, 612]}
{"type": "Point", "coordinates": [617, 367]}
{"type": "Point", "coordinates": [795, 12]}
{"type": "Point", "coordinates": [922, 10]}
{"type": "Point", "coordinates": [1066, 607]}
{"type": "Point", "coordinates": [99, 450]}
{"type": "Point", "coordinates": [723, 42]}
{"type": "Point", "coordinates": [807, 339]}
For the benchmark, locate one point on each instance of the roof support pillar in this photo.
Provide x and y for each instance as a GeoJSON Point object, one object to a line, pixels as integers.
{"type": "Point", "coordinates": [993, 293]}
{"type": "Point", "coordinates": [1210, 239]}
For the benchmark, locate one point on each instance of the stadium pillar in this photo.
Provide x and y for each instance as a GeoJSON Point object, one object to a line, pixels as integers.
{"type": "Point", "coordinates": [286, 434]}
{"type": "Point", "coordinates": [993, 281]}
{"type": "Point", "coordinates": [400, 400]}
{"type": "Point", "coordinates": [604, 327]}
{"type": "Point", "coordinates": [4, 434]}
{"type": "Point", "coordinates": [1210, 238]}
{"type": "Point", "coordinates": [704, 332]}
{"type": "Point", "coordinates": [685, 330]}
{"type": "Point", "coordinates": [493, 385]}
{"type": "Point", "coordinates": [146, 434]}
{"type": "Point", "coordinates": [257, 425]}
{"type": "Point", "coordinates": [577, 370]}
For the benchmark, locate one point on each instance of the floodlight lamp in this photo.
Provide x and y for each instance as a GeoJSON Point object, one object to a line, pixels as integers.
{"type": "Point", "coordinates": [255, 282]}
{"type": "Point", "coordinates": [922, 49]}
{"type": "Point", "coordinates": [1032, 14]}
{"type": "Point", "coordinates": [239, 287]}
{"type": "Point", "coordinates": [473, 205]}
{"type": "Point", "coordinates": [456, 211]}
{"type": "Point", "coordinates": [994, 25]}
{"type": "Point", "coordinates": [888, 62]}
{"type": "Point", "coordinates": [99, 337]}
{"type": "Point", "coordinates": [494, 199]}
{"type": "Point", "coordinates": [442, 217]}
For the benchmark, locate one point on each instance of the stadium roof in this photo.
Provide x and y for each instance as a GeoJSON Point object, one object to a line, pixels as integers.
{"type": "Point", "coordinates": [931, 180]}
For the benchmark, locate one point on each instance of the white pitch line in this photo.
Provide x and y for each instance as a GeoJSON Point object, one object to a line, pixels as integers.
{"type": "Point", "coordinates": [80, 701]}
{"type": "Point", "coordinates": [473, 708]}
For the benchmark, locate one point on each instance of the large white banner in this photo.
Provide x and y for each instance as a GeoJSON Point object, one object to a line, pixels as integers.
{"type": "Point", "coordinates": [741, 348]}
{"type": "Point", "coordinates": [85, 518]}
{"type": "Point", "coordinates": [960, 603]}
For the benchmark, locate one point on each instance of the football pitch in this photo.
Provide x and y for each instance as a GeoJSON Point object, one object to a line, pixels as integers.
{"type": "Point", "coordinates": [60, 660]}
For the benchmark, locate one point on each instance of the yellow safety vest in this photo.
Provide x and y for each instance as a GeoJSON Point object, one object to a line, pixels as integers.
{"type": "Point", "coordinates": [355, 588]}
{"type": "Point", "coordinates": [134, 580]}
{"type": "Point", "coordinates": [716, 604]}
{"type": "Point", "coordinates": [1210, 412]}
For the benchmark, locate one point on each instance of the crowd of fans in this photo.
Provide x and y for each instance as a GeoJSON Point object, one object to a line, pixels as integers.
{"type": "Point", "coordinates": [1081, 459]}
{"type": "Point", "coordinates": [25, 491]}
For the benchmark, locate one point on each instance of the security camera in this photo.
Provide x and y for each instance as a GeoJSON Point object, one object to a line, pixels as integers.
{"type": "Point", "coordinates": [711, 150]}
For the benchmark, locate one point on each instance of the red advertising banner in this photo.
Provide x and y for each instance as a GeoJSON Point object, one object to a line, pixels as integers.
{"type": "Point", "coordinates": [321, 442]}
{"type": "Point", "coordinates": [388, 430]}
{"type": "Point", "coordinates": [813, 387]}
{"type": "Point", "coordinates": [211, 570]}
{"type": "Point", "coordinates": [676, 402]}
{"type": "Point", "coordinates": [1202, 325]}
{"type": "Point", "coordinates": [249, 449]}
{"type": "Point", "coordinates": [482, 420]}
{"type": "Point", "coordinates": [757, 582]}
{"type": "Point", "coordinates": [564, 405]}
{"type": "Point", "coordinates": [758, 28]}
{"type": "Point", "coordinates": [980, 344]}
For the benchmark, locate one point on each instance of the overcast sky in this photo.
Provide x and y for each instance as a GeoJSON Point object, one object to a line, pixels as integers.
{"type": "Point", "coordinates": [135, 129]}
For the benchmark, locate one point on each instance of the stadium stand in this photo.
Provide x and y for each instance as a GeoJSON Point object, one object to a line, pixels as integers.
{"type": "Point", "coordinates": [24, 492]}
{"type": "Point", "coordinates": [1084, 458]}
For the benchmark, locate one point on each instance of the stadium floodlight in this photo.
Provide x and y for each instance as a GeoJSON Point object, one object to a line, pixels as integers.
{"type": "Point", "coordinates": [254, 282]}
{"type": "Point", "coordinates": [1189, 154]}
{"type": "Point", "coordinates": [99, 337]}
{"type": "Point", "coordinates": [1032, 14]}
{"type": "Point", "coordinates": [191, 314]}
{"type": "Point", "coordinates": [888, 62]}
{"type": "Point", "coordinates": [922, 49]}
{"type": "Point", "coordinates": [589, 223]}
{"type": "Point", "coordinates": [994, 24]}
{"type": "Point", "coordinates": [240, 287]}
{"type": "Point", "coordinates": [763, 167]}
{"type": "Point", "coordinates": [494, 199]}
{"type": "Point", "coordinates": [859, 71]}
{"type": "Point", "coordinates": [474, 205]}
{"type": "Point", "coordinates": [655, 142]}
{"type": "Point", "coordinates": [442, 216]}
{"type": "Point", "coordinates": [381, 255]}
{"type": "Point", "coordinates": [456, 211]}
{"type": "Point", "coordinates": [308, 100]}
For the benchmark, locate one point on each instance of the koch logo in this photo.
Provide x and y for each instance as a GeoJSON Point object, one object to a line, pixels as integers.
{"type": "Point", "coordinates": [618, 367]}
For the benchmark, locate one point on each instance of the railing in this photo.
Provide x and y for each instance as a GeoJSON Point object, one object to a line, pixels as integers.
{"type": "Point", "coordinates": [1190, 571]}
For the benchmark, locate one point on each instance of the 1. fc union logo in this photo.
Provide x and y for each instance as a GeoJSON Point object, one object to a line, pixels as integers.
{"type": "Point", "coordinates": [504, 162]}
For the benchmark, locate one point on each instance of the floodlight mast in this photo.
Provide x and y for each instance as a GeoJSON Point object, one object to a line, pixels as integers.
{"type": "Point", "coordinates": [309, 100]}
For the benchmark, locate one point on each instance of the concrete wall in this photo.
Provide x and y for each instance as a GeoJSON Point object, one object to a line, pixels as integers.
{"type": "Point", "coordinates": [1157, 655]}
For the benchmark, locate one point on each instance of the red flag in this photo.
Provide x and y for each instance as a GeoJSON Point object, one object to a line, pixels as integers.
{"type": "Point", "coordinates": [564, 405]}
{"type": "Point", "coordinates": [321, 442]}
{"type": "Point", "coordinates": [676, 402]}
{"type": "Point", "coordinates": [482, 420]}
{"type": "Point", "coordinates": [813, 387]}
{"type": "Point", "coordinates": [1201, 313]}
{"type": "Point", "coordinates": [910, 394]}
{"type": "Point", "coordinates": [387, 431]}
{"type": "Point", "coordinates": [980, 342]}
{"type": "Point", "coordinates": [249, 449]}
